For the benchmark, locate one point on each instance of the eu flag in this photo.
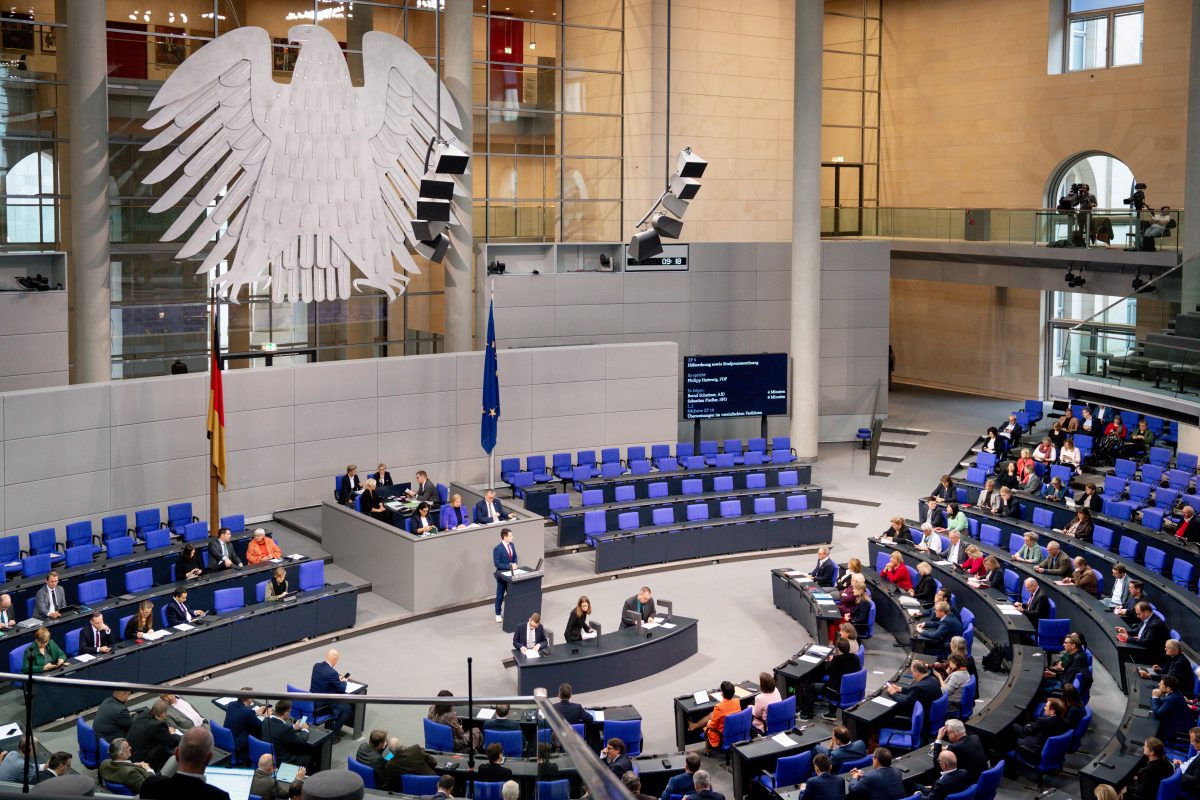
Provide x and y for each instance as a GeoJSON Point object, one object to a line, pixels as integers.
{"type": "Point", "coordinates": [491, 388]}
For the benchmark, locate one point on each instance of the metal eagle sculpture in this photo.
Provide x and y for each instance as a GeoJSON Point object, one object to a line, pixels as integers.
{"type": "Point", "coordinates": [305, 179]}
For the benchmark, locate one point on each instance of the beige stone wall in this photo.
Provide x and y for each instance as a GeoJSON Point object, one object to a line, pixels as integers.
{"type": "Point", "coordinates": [974, 120]}
{"type": "Point", "coordinates": [976, 339]}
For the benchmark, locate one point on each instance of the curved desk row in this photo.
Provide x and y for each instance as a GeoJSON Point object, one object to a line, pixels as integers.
{"type": "Point", "coordinates": [610, 659]}
{"type": "Point", "coordinates": [571, 521]}
{"type": "Point", "coordinates": [815, 607]}
{"type": "Point", "coordinates": [640, 483]}
{"type": "Point", "coordinates": [214, 640]}
{"type": "Point", "coordinates": [200, 597]}
{"type": "Point", "coordinates": [713, 537]}
{"type": "Point", "coordinates": [1116, 764]}
{"type": "Point", "coordinates": [650, 769]}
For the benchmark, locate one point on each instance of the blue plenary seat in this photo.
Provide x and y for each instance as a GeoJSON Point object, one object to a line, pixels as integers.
{"type": "Point", "coordinates": [156, 540]}
{"type": "Point", "coordinates": [195, 532]}
{"type": "Point", "coordinates": [138, 580]}
{"type": "Point", "coordinates": [32, 566]}
{"type": "Point", "coordinates": [624, 493]}
{"type": "Point", "coordinates": [905, 739]}
{"type": "Point", "coordinates": [119, 546]}
{"type": "Point", "coordinates": [44, 542]}
{"type": "Point", "coordinates": [228, 600]}
{"type": "Point", "coordinates": [635, 453]}
{"type": "Point", "coordinates": [797, 502]}
{"type": "Point", "coordinates": [697, 512]}
{"type": "Point", "coordinates": [10, 553]}
{"type": "Point", "coordinates": [80, 533]}
{"type": "Point", "coordinates": [658, 452]}
{"type": "Point", "coordinates": [438, 736]}
{"type": "Point", "coordinates": [423, 785]}
{"type": "Point", "coordinates": [512, 742]}
{"type": "Point", "coordinates": [629, 731]}
{"type": "Point", "coordinates": [789, 771]}
{"type": "Point", "coordinates": [362, 770]}
{"type": "Point", "coordinates": [560, 464]}
{"type": "Point", "coordinates": [235, 522]}
{"type": "Point", "coordinates": [658, 489]}
{"type": "Point", "coordinates": [178, 515]}
{"type": "Point", "coordinates": [147, 519]}
{"type": "Point", "coordinates": [312, 575]}
{"type": "Point", "coordinates": [78, 556]}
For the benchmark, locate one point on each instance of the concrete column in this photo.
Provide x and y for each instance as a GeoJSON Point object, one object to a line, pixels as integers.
{"type": "Point", "coordinates": [87, 108]}
{"type": "Point", "coordinates": [806, 229]}
{"type": "Point", "coordinates": [460, 260]}
{"type": "Point", "coordinates": [1190, 296]}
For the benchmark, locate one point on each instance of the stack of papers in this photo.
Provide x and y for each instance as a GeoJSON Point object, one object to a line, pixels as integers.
{"type": "Point", "coordinates": [485, 713]}
{"type": "Point", "coordinates": [793, 573]}
{"type": "Point", "coordinates": [533, 653]}
{"type": "Point", "coordinates": [83, 658]}
{"type": "Point", "coordinates": [183, 626]}
{"type": "Point", "coordinates": [1010, 611]}
{"type": "Point", "coordinates": [820, 650]}
{"type": "Point", "coordinates": [667, 625]}
{"type": "Point", "coordinates": [352, 687]}
{"type": "Point", "coordinates": [597, 714]}
{"type": "Point", "coordinates": [154, 636]}
{"type": "Point", "coordinates": [740, 692]}
{"type": "Point", "coordinates": [589, 635]}
{"type": "Point", "coordinates": [810, 659]}
{"type": "Point", "coordinates": [700, 697]}
{"type": "Point", "coordinates": [886, 702]}
{"type": "Point", "coordinates": [782, 739]}
{"type": "Point", "coordinates": [649, 625]}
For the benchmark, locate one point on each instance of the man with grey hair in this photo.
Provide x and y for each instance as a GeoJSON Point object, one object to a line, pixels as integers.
{"type": "Point", "coordinates": [512, 791]}
{"type": "Point", "coordinates": [703, 782]}
{"type": "Point", "coordinates": [824, 573]}
{"type": "Point", "coordinates": [1175, 663]}
{"type": "Point", "coordinates": [1037, 607]}
{"type": "Point", "coordinates": [967, 748]}
{"type": "Point", "coordinates": [1056, 562]}
{"type": "Point", "coordinates": [118, 769]}
{"type": "Point", "coordinates": [936, 635]}
{"type": "Point", "coordinates": [194, 752]}
{"type": "Point", "coordinates": [951, 780]}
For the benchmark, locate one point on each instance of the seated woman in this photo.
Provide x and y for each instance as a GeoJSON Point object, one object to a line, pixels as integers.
{"type": "Point", "coordinates": [973, 565]}
{"type": "Point", "coordinates": [957, 677]}
{"type": "Point", "coordinates": [926, 586]}
{"type": "Point", "coordinates": [945, 491]}
{"type": "Point", "coordinates": [848, 599]}
{"type": "Point", "coordinates": [454, 515]}
{"type": "Point", "coordinates": [1090, 498]}
{"type": "Point", "coordinates": [1008, 478]}
{"type": "Point", "coordinates": [853, 567]}
{"type": "Point", "coordinates": [956, 520]}
{"type": "Point", "coordinates": [141, 623]}
{"type": "Point", "coordinates": [993, 573]}
{"type": "Point", "coordinates": [898, 532]}
{"type": "Point", "coordinates": [1070, 456]}
{"type": "Point", "coordinates": [43, 654]}
{"type": "Point", "coordinates": [277, 587]}
{"type": "Point", "coordinates": [1054, 491]}
{"type": "Point", "coordinates": [1082, 526]}
{"type": "Point", "coordinates": [767, 694]}
{"type": "Point", "coordinates": [992, 443]}
{"type": "Point", "coordinates": [577, 620]}
{"type": "Point", "coordinates": [1025, 464]}
{"type": "Point", "coordinates": [897, 573]}
{"type": "Point", "coordinates": [860, 615]}
{"type": "Point", "coordinates": [1045, 452]}
{"type": "Point", "coordinates": [989, 498]}
{"type": "Point", "coordinates": [1031, 552]}
{"type": "Point", "coordinates": [190, 564]}
{"type": "Point", "coordinates": [445, 714]}
{"type": "Point", "coordinates": [1057, 434]}
{"type": "Point", "coordinates": [371, 503]}
{"type": "Point", "coordinates": [713, 722]}
{"type": "Point", "coordinates": [422, 522]}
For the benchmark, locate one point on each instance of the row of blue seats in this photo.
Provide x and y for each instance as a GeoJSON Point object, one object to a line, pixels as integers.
{"type": "Point", "coordinates": [442, 489]}
{"type": "Point", "coordinates": [561, 501]}
{"type": "Point", "coordinates": [596, 523]}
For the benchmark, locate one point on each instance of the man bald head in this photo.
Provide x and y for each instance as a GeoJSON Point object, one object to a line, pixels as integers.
{"type": "Point", "coordinates": [331, 658]}
{"type": "Point", "coordinates": [195, 750]}
{"type": "Point", "coordinates": [266, 763]}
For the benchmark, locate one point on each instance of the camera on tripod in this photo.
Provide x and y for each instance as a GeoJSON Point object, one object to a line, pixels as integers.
{"type": "Point", "coordinates": [1137, 198]}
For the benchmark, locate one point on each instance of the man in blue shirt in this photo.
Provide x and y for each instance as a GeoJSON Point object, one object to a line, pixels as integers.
{"type": "Point", "coordinates": [683, 784]}
{"type": "Point", "coordinates": [241, 718]}
{"type": "Point", "coordinates": [937, 634]}
{"type": "Point", "coordinates": [14, 761]}
{"type": "Point", "coordinates": [504, 558]}
{"type": "Point", "coordinates": [325, 680]}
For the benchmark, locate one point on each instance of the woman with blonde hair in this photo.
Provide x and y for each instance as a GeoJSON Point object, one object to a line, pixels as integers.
{"type": "Point", "coordinates": [141, 623]}
{"type": "Point", "coordinates": [897, 573]}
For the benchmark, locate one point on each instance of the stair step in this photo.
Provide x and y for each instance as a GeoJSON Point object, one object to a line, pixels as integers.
{"type": "Point", "coordinates": [893, 459]}
{"type": "Point", "coordinates": [906, 445]}
{"type": "Point", "coordinates": [880, 473]}
{"type": "Point", "coordinates": [910, 431]}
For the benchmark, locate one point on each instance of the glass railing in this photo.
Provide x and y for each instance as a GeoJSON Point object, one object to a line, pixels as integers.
{"type": "Point", "coordinates": [1149, 362]}
{"type": "Point", "coordinates": [1113, 228]}
{"type": "Point", "coordinates": [538, 749]}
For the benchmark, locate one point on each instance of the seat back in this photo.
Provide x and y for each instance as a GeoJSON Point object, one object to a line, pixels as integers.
{"type": "Point", "coordinates": [709, 447]}
{"type": "Point", "coordinates": [122, 623]}
{"type": "Point", "coordinates": [89, 747]}
{"type": "Point", "coordinates": [258, 748]}
{"type": "Point", "coordinates": [663, 516]}
{"type": "Point", "coordinates": [789, 477]}
{"type": "Point", "coordinates": [535, 464]}
{"type": "Point", "coordinates": [976, 475]}
{"type": "Point", "coordinates": [731, 508]}
{"type": "Point", "coordinates": [312, 575]}
{"type": "Point", "coordinates": [989, 782]}
{"type": "Point", "coordinates": [753, 458]}
{"type": "Point", "coordinates": [1139, 492]}
{"type": "Point", "coordinates": [937, 715]}
{"type": "Point", "coordinates": [508, 468]}
{"type": "Point", "coordinates": [549, 790]}
{"type": "Point", "coordinates": [1114, 486]}
{"type": "Point", "coordinates": [1186, 461]}
{"type": "Point", "coordinates": [854, 688]}
{"type": "Point", "coordinates": [195, 532]}
{"type": "Point", "coordinates": [628, 731]}
{"type": "Point", "coordinates": [723, 483]}
{"type": "Point", "coordinates": [639, 466]}
{"type": "Point", "coordinates": [797, 502]}
{"type": "Point", "coordinates": [438, 736]}
{"type": "Point", "coordinates": [658, 489]}
{"type": "Point", "coordinates": [684, 449]}
{"type": "Point", "coordinates": [80, 555]}
{"type": "Point", "coordinates": [42, 541]}
{"type": "Point", "coordinates": [559, 501]}
{"type": "Point", "coordinates": [1152, 518]}
{"type": "Point", "coordinates": [635, 453]}
{"type": "Point", "coordinates": [423, 785]}
{"type": "Point", "coordinates": [560, 461]}
{"type": "Point", "coordinates": [260, 592]}
{"type": "Point", "coordinates": [115, 525]}
{"type": "Point", "coordinates": [10, 549]}
{"type": "Point", "coordinates": [32, 566]}
{"type": "Point", "coordinates": [756, 480]}
{"type": "Point", "coordinates": [228, 599]}
{"type": "Point", "coordinates": [628, 521]}
{"type": "Point", "coordinates": [1124, 467]}
{"type": "Point", "coordinates": [1043, 517]}
{"type": "Point", "coordinates": [1102, 536]}
{"type": "Point", "coordinates": [781, 443]}
{"type": "Point", "coordinates": [513, 742]}
{"type": "Point", "coordinates": [1127, 547]}
{"type": "Point", "coordinates": [235, 522]}
{"type": "Point", "coordinates": [139, 579]}
{"type": "Point", "coordinates": [488, 790]}
{"type": "Point", "coordinates": [1055, 752]}
{"type": "Point", "coordinates": [610, 455]}
{"type": "Point", "coordinates": [156, 540]}
{"type": "Point", "coordinates": [147, 519]}
{"type": "Point", "coordinates": [1152, 474]}
{"type": "Point", "coordinates": [624, 493]}
{"type": "Point", "coordinates": [79, 533]}
{"type": "Point", "coordinates": [985, 462]}
{"type": "Point", "coordinates": [733, 446]}
{"type": "Point", "coordinates": [1181, 572]}
{"type": "Point", "coordinates": [781, 716]}
{"type": "Point", "coordinates": [586, 458]}
{"type": "Point", "coordinates": [363, 771]}
{"type": "Point", "coordinates": [696, 512]}
{"type": "Point", "coordinates": [1155, 559]}
{"type": "Point", "coordinates": [737, 728]}
{"type": "Point", "coordinates": [966, 794]}
{"type": "Point", "coordinates": [1165, 498]}
{"type": "Point", "coordinates": [1081, 727]}
{"type": "Point", "coordinates": [611, 469]}
{"type": "Point", "coordinates": [693, 486]}
{"type": "Point", "coordinates": [668, 464]}
{"type": "Point", "coordinates": [990, 535]}
{"type": "Point", "coordinates": [1159, 456]}
{"type": "Point", "coordinates": [593, 497]}
{"type": "Point", "coordinates": [1012, 583]}
{"type": "Point", "coordinates": [792, 770]}
{"type": "Point", "coordinates": [764, 505]}
{"type": "Point", "coordinates": [969, 692]}
{"type": "Point", "coordinates": [594, 522]}
{"type": "Point", "coordinates": [178, 515]}
{"type": "Point", "coordinates": [724, 460]}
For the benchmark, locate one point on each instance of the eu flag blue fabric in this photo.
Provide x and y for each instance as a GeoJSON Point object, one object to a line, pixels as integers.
{"type": "Point", "coordinates": [491, 388]}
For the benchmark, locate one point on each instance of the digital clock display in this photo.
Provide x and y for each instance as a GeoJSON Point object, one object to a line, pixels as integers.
{"type": "Point", "coordinates": [673, 258]}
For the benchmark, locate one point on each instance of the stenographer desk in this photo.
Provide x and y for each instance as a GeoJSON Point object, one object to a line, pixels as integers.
{"type": "Point", "coordinates": [706, 476]}
{"type": "Point", "coordinates": [712, 537]}
{"type": "Point", "coordinates": [426, 572]}
{"type": "Point", "coordinates": [216, 639]}
{"type": "Point", "coordinates": [571, 520]}
{"type": "Point", "coordinates": [610, 659]}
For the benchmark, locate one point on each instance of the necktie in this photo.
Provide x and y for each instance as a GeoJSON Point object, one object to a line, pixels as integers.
{"type": "Point", "coordinates": [508, 547]}
{"type": "Point", "coordinates": [97, 632]}
{"type": "Point", "coordinates": [53, 604]}
{"type": "Point", "coordinates": [186, 615]}
{"type": "Point", "coordinates": [492, 511]}
{"type": "Point", "coordinates": [1142, 628]}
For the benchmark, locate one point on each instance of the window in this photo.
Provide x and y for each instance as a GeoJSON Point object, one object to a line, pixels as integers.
{"type": "Point", "coordinates": [1103, 33]}
{"type": "Point", "coordinates": [1108, 178]}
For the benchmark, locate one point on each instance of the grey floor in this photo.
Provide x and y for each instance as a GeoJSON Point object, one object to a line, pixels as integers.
{"type": "Point", "coordinates": [741, 633]}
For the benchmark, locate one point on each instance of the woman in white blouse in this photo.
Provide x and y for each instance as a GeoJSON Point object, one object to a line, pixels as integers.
{"type": "Point", "coordinates": [767, 694]}
{"type": "Point", "coordinates": [1045, 452]}
{"type": "Point", "coordinates": [1069, 455]}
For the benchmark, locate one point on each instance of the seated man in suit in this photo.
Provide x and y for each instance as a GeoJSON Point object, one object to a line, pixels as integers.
{"type": "Point", "coordinates": [1173, 663]}
{"type": "Point", "coordinates": [1151, 633]}
{"type": "Point", "coordinates": [1056, 562]}
{"type": "Point", "coordinates": [58, 764]}
{"type": "Point", "coordinates": [180, 713]}
{"type": "Point", "coordinates": [8, 617]}
{"type": "Point", "coordinates": [50, 599]}
{"type": "Point", "coordinates": [1032, 738]}
{"type": "Point", "coordinates": [932, 516]}
{"type": "Point", "coordinates": [924, 689]}
{"type": "Point", "coordinates": [642, 604]}
{"type": "Point", "coordinates": [704, 791]}
{"type": "Point", "coordinates": [410, 760]}
{"type": "Point", "coordinates": [177, 611]}
{"type": "Point", "coordinates": [502, 722]}
{"type": "Point", "coordinates": [489, 510]}
{"type": "Point", "coordinates": [221, 552]}
{"type": "Point", "coordinates": [1189, 768]}
{"type": "Point", "coordinates": [194, 753]}
{"type": "Point", "coordinates": [112, 718]}
{"type": "Point", "coordinates": [1071, 662]}
{"type": "Point", "coordinates": [618, 762]}
{"type": "Point", "coordinates": [573, 713]}
{"type": "Point", "coordinates": [824, 784]}
{"type": "Point", "coordinates": [937, 634]}
{"type": "Point", "coordinates": [1037, 608]}
{"type": "Point", "coordinates": [683, 783]}
{"type": "Point", "coordinates": [289, 738]}
{"type": "Point", "coordinates": [424, 489]}
{"type": "Point", "coordinates": [631, 780]}
{"type": "Point", "coordinates": [97, 638]}
{"type": "Point", "coordinates": [370, 753]}
{"type": "Point", "coordinates": [838, 664]}
{"type": "Point", "coordinates": [841, 749]}
{"type": "Point", "coordinates": [967, 749]}
{"type": "Point", "coordinates": [241, 718]}
{"type": "Point", "coordinates": [382, 476]}
{"type": "Point", "coordinates": [262, 548]}
{"type": "Point", "coordinates": [153, 740]}
{"type": "Point", "coordinates": [454, 515]}
{"type": "Point", "coordinates": [951, 780]}
{"type": "Point", "coordinates": [531, 636]}
{"type": "Point", "coordinates": [1128, 610]}
{"type": "Point", "coordinates": [494, 769]}
{"type": "Point", "coordinates": [325, 680]}
{"type": "Point", "coordinates": [883, 782]}
{"type": "Point", "coordinates": [823, 572]}
{"type": "Point", "coordinates": [264, 786]}
{"type": "Point", "coordinates": [119, 768]}
{"type": "Point", "coordinates": [1169, 707]}
{"type": "Point", "coordinates": [349, 486]}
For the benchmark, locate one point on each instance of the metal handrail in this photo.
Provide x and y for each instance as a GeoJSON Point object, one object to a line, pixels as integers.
{"type": "Point", "coordinates": [601, 782]}
{"type": "Point", "coordinates": [1194, 262]}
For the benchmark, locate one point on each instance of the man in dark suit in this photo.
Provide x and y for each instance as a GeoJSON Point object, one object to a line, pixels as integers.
{"type": "Point", "coordinates": [112, 719]}
{"type": "Point", "coordinates": [823, 572]}
{"type": "Point", "coordinates": [382, 476]}
{"type": "Point", "coordinates": [1171, 710]}
{"type": "Point", "coordinates": [96, 639]}
{"type": "Point", "coordinates": [326, 680]}
{"type": "Point", "coordinates": [59, 764]}
{"type": "Point", "coordinates": [967, 749]}
{"type": "Point", "coordinates": [841, 748]}
{"type": "Point", "coordinates": [703, 784]}
{"type": "Point", "coordinates": [615, 759]}
{"type": "Point", "coordinates": [221, 552]}
{"type": "Point", "coordinates": [683, 783]}
{"type": "Point", "coordinates": [177, 608]}
{"type": "Point", "coordinates": [494, 770]}
{"type": "Point", "coordinates": [634, 784]}
{"type": "Point", "coordinates": [50, 600]}
{"type": "Point", "coordinates": [193, 754]}
{"type": "Point", "coordinates": [241, 718]}
{"type": "Point", "coordinates": [937, 634]}
{"type": "Point", "coordinates": [152, 739]}
{"type": "Point", "coordinates": [933, 516]}
{"type": "Point", "coordinates": [1071, 663]}
{"type": "Point", "coordinates": [642, 604]}
{"type": "Point", "coordinates": [951, 780]}
{"type": "Point", "coordinates": [824, 785]}
{"type": "Point", "coordinates": [1150, 633]}
{"type": "Point", "coordinates": [1173, 663]}
{"type": "Point", "coordinates": [883, 782]}
{"type": "Point", "coordinates": [502, 722]}
{"type": "Point", "coordinates": [504, 559]}
{"type": "Point", "coordinates": [348, 486]}
{"type": "Point", "coordinates": [424, 489]}
{"type": "Point", "coordinates": [1038, 606]}
{"type": "Point", "coordinates": [1032, 738]}
{"type": "Point", "coordinates": [838, 664]}
{"type": "Point", "coordinates": [1157, 769]}
{"type": "Point", "coordinates": [573, 713]}
{"type": "Point", "coordinates": [288, 738]}
{"type": "Point", "coordinates": [1191, 767]}
{"type": "Point", "coordinates": [370, 753]}
{"type": "Point", "coordinates": [410, 760]}
{"type": "Point", "coordinates": [531, 635]}
{"type": "Point", "coordinates": [925, 689]}
{"type": "Point", "coordinates": [489, 510]}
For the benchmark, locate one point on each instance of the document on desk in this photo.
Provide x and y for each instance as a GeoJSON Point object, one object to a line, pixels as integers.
{"type": "Point", "coordinates": [83, 658]}
{"type": "Point", "coordinates": [485, 713]}
{"type": "Point", "coordinates": [224, 701]}
{"type": "Point", "coordinates": [597, 714]}
{"type": "Point", "coordinates": [740, 692]}
{"type": "Point", "coordinates": [794, 573]}
{"type": "Point", "coordinates": [519, 571]}
{"type": "Point", "coordinates": [154, 636]}
{"type": "Point", "coordinates": [943, 563]}
{"type": "Point", "coordinates": [183, 626]}
{"type": "Point", "coordinates": [668, 625]}
{"type": "Point", "coordinates": [810, 659]}
{"type": "Point", "coordinates": [909, 602]}
{"type": "Point", "coordinates": [296, 556]}
{"type": "Point", "coordinates": [646, 626]}
{"type": "Point", "coordinates": [820, 650]}
{"type": "Point", "coordinates": [700, 697]}
{"type": "Point", "coordinates": [588, 635]}
{"type": "Point", "coordinates": [886, 702]}
{"type": "Point", "coordinates": [10, 730]}
{"type": "Point", "coordinates": [716, 696]}
{"type": "Point", "coordinates": [1011, 611]}
{"type": "Point", "coordinates": [782, 739]}
{"type": "Point", "coordinates": [533, 654]}
{"type": "Point", "coordinates": [352, 687]}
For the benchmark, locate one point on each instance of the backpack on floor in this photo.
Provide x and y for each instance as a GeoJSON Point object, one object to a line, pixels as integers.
{"type": "Point", "coordinates": [998, 659]}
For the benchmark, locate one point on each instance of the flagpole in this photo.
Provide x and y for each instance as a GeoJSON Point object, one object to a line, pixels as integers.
{"type": "Point", "coordinates": [214, 510]}
{"type": "Point", "coordinates": [492, 455]}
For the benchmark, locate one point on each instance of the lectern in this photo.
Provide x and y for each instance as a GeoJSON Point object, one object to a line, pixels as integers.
{"type": "Point", "coordinates": [524, 595]}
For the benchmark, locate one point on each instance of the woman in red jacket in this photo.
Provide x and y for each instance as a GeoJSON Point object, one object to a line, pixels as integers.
{"type": "Point", "coordinates": [897, 573]}
{"type": "Point", "coordinates": [973, 565]}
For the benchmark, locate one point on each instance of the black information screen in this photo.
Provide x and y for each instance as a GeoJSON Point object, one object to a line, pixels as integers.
{"type": "Point", "coordinates": [735, 386]}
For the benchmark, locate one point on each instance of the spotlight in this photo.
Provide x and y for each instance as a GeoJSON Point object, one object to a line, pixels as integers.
{"type": "Point", "coordinates": [433, 210]}
{"type": "Point", "coordinates": [667, 227]}
{"type": "Point", "coordinates": [425, 230]}
{"type": "Point", "coordinates": [689, 165]}
{"type": "Point", "coordinates": [1072, 280]}
{"type": "Point", "coordinates": [436, 186]}
{"type": "Point", "coordinates": [645, 244]}
{"type": "Point", "coordinates": [675, 205]}
{"type": "Point", "coordinates": [1141, 285]}
{"type": "Point", "coordinates": [434, 249]}
{"type": "Point", "coordinates": [448, 159]}
{"type": "Point", "coordinates": [684, 188]}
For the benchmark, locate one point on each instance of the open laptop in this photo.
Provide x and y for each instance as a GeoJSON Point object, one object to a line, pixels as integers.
{"type": "Point", "coordinates": [236, 782]}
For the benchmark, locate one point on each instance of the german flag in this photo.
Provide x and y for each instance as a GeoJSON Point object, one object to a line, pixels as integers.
{"type": "Point", "coordinates": [216, 408]}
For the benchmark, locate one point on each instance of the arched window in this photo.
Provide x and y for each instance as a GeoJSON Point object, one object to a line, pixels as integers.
{"type": "Point", "coordinates": [1108, 177]}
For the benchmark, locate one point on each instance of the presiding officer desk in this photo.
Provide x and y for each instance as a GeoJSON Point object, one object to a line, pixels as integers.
{"type": "Point", "coordinates": [212, 640]}
{"type": "Point", "coordinates": [571, 521]}
{"type": "Point", "coordinates": [640, 483]}
{"type": "Point", "coordinates": [200, 597]}
{"type": "Point", "coordinates": [610, 659]}
{"type": "Point", "coordinates": [428, 572]}
{"type": "Point", "coordinates": [712, 537]}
